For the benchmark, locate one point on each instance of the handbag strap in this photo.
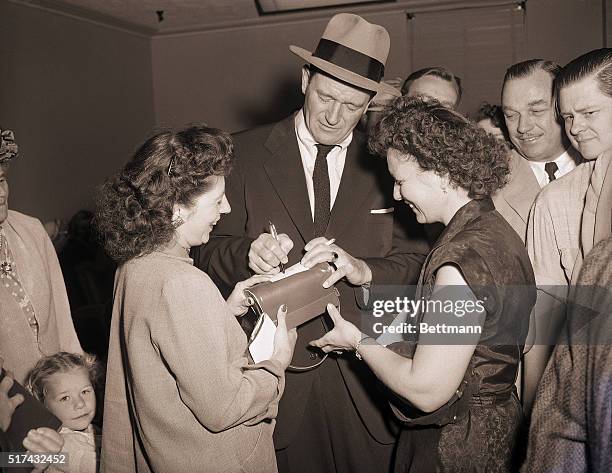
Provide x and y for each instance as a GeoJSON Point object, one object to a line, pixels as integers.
{"type": "Point", "coordinates": [317, 364]}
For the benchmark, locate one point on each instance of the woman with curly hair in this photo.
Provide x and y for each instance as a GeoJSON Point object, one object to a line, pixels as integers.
{"type": "Point", "coordinates": [453, 385]}
{"type": "Point", "coordinates": [181, 395]}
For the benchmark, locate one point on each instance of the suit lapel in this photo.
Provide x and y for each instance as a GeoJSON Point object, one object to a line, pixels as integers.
{"type": "Point", "coordinates": [286, 173]}
{"type": "Point", "coordinates": [523, 188]}
{"type": "Point", "coordinates": [355, 187]}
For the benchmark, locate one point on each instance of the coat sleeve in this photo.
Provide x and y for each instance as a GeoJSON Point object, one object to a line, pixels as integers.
{"type": "Point", "coordinates": [206, 356]}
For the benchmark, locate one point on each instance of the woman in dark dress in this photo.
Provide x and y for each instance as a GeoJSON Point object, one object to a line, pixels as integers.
{"type": "Point", "coordinates": [453, 385]}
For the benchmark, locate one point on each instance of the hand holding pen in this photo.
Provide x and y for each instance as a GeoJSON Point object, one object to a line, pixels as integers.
{"type": "Point", "coordinates": [269, 251]}
{"type": "Point", "coordinates": [275, 236]}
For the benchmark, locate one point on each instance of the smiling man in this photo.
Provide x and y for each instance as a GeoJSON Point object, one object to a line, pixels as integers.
{"type": "Point", "coordinates": [529, 110]}
{"type": "Point", "coordinates": [541, 151]}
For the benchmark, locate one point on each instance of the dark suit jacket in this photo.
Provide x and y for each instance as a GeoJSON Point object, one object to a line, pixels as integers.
{"type": "Point", "coordinates": [268, 184]}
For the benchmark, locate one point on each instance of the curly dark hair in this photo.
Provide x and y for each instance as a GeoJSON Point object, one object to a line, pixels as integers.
{"type": "Point", "coordinates": [60, 362]}
{"type": "Point", "coordinates": [135, 207]}
{"type": "Point", "coordinates": [445, 142]}
{"type": "Point", "coordinates": [496, 115]}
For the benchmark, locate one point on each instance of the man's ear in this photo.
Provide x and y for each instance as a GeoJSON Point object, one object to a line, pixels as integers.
{"type": "Point", "coordinates": [305, 77]}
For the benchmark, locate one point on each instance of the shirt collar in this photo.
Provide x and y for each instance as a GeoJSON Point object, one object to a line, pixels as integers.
{"type": "Point", "coordinates": [562, 161]}
{"type": "Point", "coordinates": [305, 137]}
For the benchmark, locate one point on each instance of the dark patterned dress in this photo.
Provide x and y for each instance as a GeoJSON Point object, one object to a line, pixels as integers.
{"type": "Point", "coordinates": [476, 431]}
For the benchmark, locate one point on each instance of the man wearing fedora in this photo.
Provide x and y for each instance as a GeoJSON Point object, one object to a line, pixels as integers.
{"type": "Point", "coordinates": [311, 175]}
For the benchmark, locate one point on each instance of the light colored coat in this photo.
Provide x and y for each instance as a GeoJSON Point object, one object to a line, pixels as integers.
{"type": "Point", "coordinates": [514, 200]}
{"type": "Point", "coordinates": [180, 393]}
{"type": "Point", "coordinates": [41, 277]}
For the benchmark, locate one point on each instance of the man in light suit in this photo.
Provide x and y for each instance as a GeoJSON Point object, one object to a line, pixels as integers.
{"type": "Point", "coordinates": [311, 175]}
{"type": "Point", "coordinates": [542, 152]}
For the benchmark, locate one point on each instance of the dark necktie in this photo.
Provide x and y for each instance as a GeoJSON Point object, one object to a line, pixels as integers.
{"type": "Point", "coordinates": [320, 181]}
{"type": "Point", "coordinates": [551, 168]}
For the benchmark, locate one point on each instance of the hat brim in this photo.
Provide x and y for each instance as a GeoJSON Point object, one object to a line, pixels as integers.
{"type": "Point", "coordinates": [344, 74]}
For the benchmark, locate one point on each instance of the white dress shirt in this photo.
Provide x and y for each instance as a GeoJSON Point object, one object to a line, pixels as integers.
{"type": "Point", "coordinates": [565, 163]}
{"type": "Point", "coordinates": [308, 151]}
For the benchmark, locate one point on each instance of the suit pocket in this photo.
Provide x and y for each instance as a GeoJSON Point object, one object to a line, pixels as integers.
{"type": "Point", "coordinates": [387, 210]}
{"type": "Point", "coordinates": [379, 231]}
{"type": "Point", "coordinates": [262, 457]}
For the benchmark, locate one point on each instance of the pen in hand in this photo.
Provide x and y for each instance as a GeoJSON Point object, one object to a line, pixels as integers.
{"type": "Point", "coordinates": [274, 234]}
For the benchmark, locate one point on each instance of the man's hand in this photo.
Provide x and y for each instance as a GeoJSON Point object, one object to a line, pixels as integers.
{"type": "Point", "coordinates": [7, 404]}
{"type": "Point", "coordinates": [355, 270]}
{"type": "Point", "coordinates": [237, 301]}
{"type": "Point", "coordinates": [266, 253]}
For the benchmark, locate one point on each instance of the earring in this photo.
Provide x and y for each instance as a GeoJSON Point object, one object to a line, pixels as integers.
{"type": "Point", "coordinates": [177, 221]}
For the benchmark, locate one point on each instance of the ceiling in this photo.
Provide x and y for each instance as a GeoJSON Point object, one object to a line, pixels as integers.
{"type": "Point", "coordinates": [143, 16]}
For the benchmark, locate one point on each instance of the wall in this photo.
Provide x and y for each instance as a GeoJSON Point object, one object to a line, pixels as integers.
{"type": "Point", "coordinates": [561, 30]}
{"type": "Point", "coordinates": [78, 96]}
{"type": "Point", "coordinates": [240, 77]}
{"type": "Point", "coordinates": [235, 79]}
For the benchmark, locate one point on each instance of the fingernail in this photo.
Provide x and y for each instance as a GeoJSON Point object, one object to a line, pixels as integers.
{"type": "Point", "coordinates": [325, 284]}
{"type": "Point", "coordinates": [283, 308]}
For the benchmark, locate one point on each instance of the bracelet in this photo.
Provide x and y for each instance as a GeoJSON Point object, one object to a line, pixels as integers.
{"type": "Point", "coordinates": [358, 345]}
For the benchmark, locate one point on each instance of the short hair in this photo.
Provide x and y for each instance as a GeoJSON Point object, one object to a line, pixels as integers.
{"type": "Point", "coordinates": [436, 71]}
{"type": "Point", "coordinates": [526, 68]}
{"type": "Point", "coordinates": [135, 207]}
{"type": "Point", "coordinates": [496, 115]}
{"type": "Point", "coordinates": [61, 362]}
{"type": "Point", "coordinates": [445, 142]}
{"type": "Point", "coordinates": [597, 63]}
{"type": "Point", "coordinates": [8, 147]}
{"type": "Point", "coordinates": [491, 112]}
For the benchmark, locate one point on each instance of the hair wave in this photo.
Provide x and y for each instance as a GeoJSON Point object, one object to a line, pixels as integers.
{"type": "Point", "coordinates": [445, 142]}
{"type": "Point", "coordinates": [135, 207]}
{"type": "Point", "coordinates": [60, 362]}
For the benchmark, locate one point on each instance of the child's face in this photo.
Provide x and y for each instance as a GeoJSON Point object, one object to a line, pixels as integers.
{"type": "Point", "coordinates": [70, 396]}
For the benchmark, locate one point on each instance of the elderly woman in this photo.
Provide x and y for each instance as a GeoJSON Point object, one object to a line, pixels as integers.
{"type": "Point", "coordinates": [34, 311]}
{"type": "Point", "coordinates": [181, 395]}
{"type": "Point", "coordinates": [453, 388]}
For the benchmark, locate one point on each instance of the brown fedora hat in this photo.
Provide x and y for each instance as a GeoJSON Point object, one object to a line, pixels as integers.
{"type": "Point", "coordinates": [352, 50]}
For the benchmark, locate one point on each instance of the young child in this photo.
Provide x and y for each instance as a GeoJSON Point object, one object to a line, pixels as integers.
{"type": "Point", "coordinates": [64, 382]}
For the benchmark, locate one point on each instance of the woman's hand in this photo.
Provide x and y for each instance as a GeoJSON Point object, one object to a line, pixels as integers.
{"type": "Point", "coordinates": [43, 440]}
{"type": "Point", "coordinates": [284, 340]}
{"type": "Point", "coordinates": [237, 301]}
{"type": "Point", "coordinates": [355, 270]}
{"type": "Point", "coordinates": [344, 336]}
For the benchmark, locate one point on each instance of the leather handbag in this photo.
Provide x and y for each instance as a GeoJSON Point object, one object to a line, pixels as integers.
{"type": "Point", "coordinates": [303, 293]}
